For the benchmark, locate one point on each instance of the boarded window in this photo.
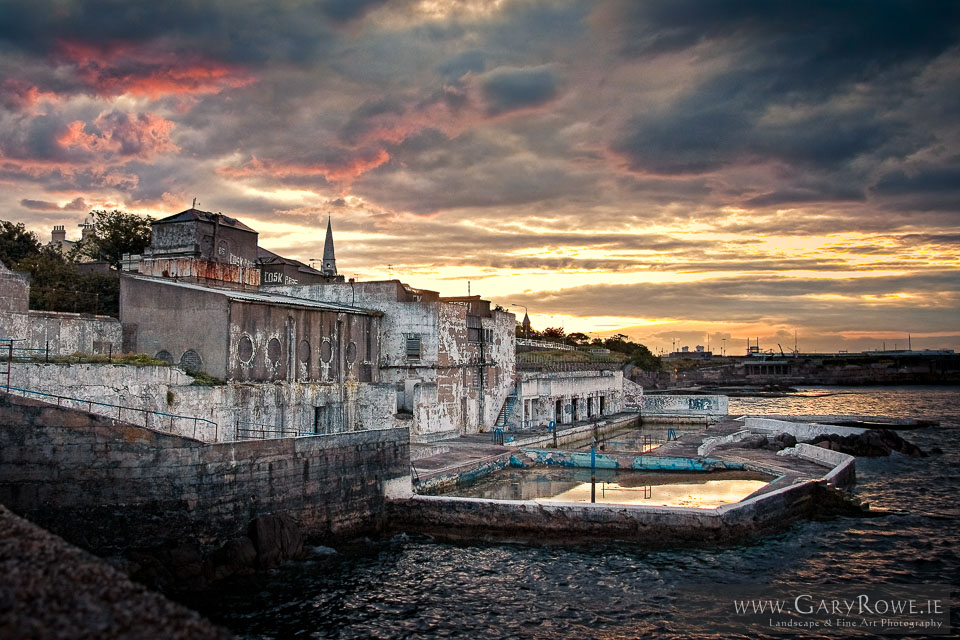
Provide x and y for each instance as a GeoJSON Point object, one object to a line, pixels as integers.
{"type": "Point", "coordinates": [352, 352]}
{"type": "Point", "coordinates": [274, 351]}
{"type": "Point", "coordinates": [366, 372]}
{"type": "Point", "coordinates": [191, 361]}
{"type": "Point", "coordinates": [413, 347]}
{"type": "Point", "coordinates": [303, 352]}
{"type": "Point", "coordinates": [245, 349]}
{"type": "Point", "coordinates": [164, 356]}
{"type": "Point", "coordinates": [326, 351]}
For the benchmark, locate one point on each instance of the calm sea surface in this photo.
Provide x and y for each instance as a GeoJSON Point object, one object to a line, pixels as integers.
{"type": "Point", "coordinates": [415, 588]}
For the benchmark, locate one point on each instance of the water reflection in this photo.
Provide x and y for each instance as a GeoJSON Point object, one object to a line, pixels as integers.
{"type": "Point", "coordinates": [699, 490]}
{"type": "Point", "coordinates": [702, 495]}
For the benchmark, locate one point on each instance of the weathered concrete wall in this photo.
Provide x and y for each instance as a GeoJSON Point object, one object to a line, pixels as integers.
{"type": "Point", "coordinates": [710, 406]}
{"type": "Point", "coordinates": [66, 333]}
{"type": "Point", "coordinates": [14, 291]}
{"type": "Point", "coordinates": [573, 523]}
{"type": "Point", "coordinates": [843, 467]}
{"type": "Point", "coordinates": [288, 407]}
{"type": "Point", "coordinates": [110, 486]}
{"type": "Point", "coordinates": [167, 322]}
{"type": "Point", "coordinates": [273, 342]}
{"type": "Point", "coordinates": [802, 431]}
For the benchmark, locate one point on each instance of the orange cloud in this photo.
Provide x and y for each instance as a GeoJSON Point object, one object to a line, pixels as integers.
{"type": "Point", "coordinates": [23, 95]}
{"type": "Point", "coordinates": [345, 171]}
{"type": "Point", "coordinates": [124, 68]}
{"type": "Point", "coordinates": [143, 135]}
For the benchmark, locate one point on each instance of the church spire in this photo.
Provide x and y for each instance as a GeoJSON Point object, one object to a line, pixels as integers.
{"type": "Point", "coordinates": [329, 267]}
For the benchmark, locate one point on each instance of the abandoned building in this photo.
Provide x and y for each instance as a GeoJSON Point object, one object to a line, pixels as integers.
{"type": "Point", "coordinates": [451, 360]}
{"type": "Point", "coordinates": [561, 398]}
{"type": "Point", "coordinates": [301, 350]}
{"type": "Point", "coordinates": [446, 363]}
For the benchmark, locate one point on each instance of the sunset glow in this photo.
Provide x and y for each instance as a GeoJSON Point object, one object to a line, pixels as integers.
{"type": "Point", "coordinates": [646, 168]}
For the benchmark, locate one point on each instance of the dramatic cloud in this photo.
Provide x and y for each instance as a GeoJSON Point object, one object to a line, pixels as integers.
{"type": "Point", "coordinates": [615, 164]}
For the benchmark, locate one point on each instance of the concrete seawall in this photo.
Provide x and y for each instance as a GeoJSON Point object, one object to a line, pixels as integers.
{"type": "Point", "coordinates": [574, 523]}
{"type": "Point", "coordinates": [109, 486]}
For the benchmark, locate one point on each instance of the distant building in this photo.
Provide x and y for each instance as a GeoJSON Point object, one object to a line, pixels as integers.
{"type": "Point", "coordinates": [202, 247]}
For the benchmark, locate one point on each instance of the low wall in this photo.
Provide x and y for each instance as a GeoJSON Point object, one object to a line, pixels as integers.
{"type": "Point", "coordinates": [63, 333]}
{"type": "Point", "coordinates": [573, 523]}
{"type": "Point", "coordinates": [108, 486]}
{"type": "Point", "coordinates": [280, 406]}
{"type": "Point", "coordinates": [800, 430]}
{"type": "Point", "coordinates": [572, 435]}
{"type": "Point", "coordinates": [843, 467]}
{"type": "Point", "coordinates": [584, 460]}
{"type": "Point", "coordinates": [689, 405]}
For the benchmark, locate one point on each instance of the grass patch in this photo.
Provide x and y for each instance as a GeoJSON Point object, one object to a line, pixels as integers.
{"type": "Point", "coordinates": [201, 379]}
{"type": "Point", "coordinates": [135, 359]}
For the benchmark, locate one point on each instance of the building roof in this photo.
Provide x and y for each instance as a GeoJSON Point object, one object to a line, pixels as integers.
{"type": "Point", "coordinates": [194, 214]}
{"type": "Point", "coordinates": [260, 298]}
{"type": "Point", "coordinates": [265, 256]}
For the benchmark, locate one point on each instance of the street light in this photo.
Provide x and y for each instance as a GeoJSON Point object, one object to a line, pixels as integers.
{"type": "Point", "coordinates": [526, 314]}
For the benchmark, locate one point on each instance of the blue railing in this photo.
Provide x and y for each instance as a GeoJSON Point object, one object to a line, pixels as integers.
{"type": "Point", "coordinates": [158, 424]}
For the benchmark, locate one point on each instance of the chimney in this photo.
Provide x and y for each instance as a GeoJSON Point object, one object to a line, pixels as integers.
{"type": "Point", "coordinates": [59, 235]}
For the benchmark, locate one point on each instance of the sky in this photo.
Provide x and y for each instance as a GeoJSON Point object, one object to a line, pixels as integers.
{"type": "Point", "coordinates": [679, 171]}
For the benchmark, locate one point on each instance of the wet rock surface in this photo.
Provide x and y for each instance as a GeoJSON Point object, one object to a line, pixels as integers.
{"type": "Point", "coordinates": [51, 589]}
{"type": "Point", "coordinates": [872, 443]}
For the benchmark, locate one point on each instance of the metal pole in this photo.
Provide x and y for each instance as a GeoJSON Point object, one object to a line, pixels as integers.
{"type": "Point", "coordinates": [9, 360]}
{"type": "Point", "coordinates": [593, 473]}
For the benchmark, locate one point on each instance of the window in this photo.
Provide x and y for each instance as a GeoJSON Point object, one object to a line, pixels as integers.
{"type": "Point", "coordinates": [413, 346]}
{"type": "Point", "coordinates": [474, 329]}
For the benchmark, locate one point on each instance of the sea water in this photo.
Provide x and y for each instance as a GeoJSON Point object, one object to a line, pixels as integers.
{"type": "Point", "coordinates": [408, 587]}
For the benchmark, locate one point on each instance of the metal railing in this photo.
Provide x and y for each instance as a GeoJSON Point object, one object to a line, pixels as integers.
{"type": "Point", "coordinates": [259, 431]}
{"type": "Point", "coordinates": [158, 424]}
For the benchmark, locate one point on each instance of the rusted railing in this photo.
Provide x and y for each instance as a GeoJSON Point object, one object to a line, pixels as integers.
{"type": "Point", "coordinates": [160, 420]}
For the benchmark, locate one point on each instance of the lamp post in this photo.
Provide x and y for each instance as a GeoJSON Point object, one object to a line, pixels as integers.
{"type": "Point", "coordinates": [526, 314]}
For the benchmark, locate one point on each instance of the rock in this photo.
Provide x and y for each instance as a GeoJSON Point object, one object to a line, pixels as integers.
{"type": "Point", "coordinates": [236, 557]}
{"type": "Point", "coordinates": [782, 441]}
{"type": "Point", "coordinates": [276, 538]}
{"type": "Point", "coordinates": [753, 441]}
{"type": "Point", "coordinates": [872, 443]}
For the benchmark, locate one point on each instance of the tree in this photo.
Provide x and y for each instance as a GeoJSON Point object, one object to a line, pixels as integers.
{"type": "Point", "coordinates": [553, 334]}
{"type": "Point", "coordinates": [116, 233]}
{"type": "Point", "coordinates": [57, 285]}
{"type": "Point", "coordinates": [576, 338]}
{"type": "Point", "coordinates": [643, 358]}
{"type": "Point", "coordinates": [16, 243]}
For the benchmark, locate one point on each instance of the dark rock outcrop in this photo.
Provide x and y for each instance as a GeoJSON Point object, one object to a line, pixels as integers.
{"type": "Point", "coordinates": [870, 444]}
{"type": "Point", "coordinates": [276, 538]}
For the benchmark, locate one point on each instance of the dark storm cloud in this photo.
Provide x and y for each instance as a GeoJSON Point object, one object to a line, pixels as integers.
{"type": "Point", "coordinates": [509, 89]}
{"type": "Point", "coordinates": [457, 66]}
{"type": "Point", "coordinates": [816, 86]}
{"type": "Point", "coordinates": [924, 189]}
{"type": "Point", "coordinates": [77, 204]}
{"type": "Point", "coordinates": [241, 32]}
